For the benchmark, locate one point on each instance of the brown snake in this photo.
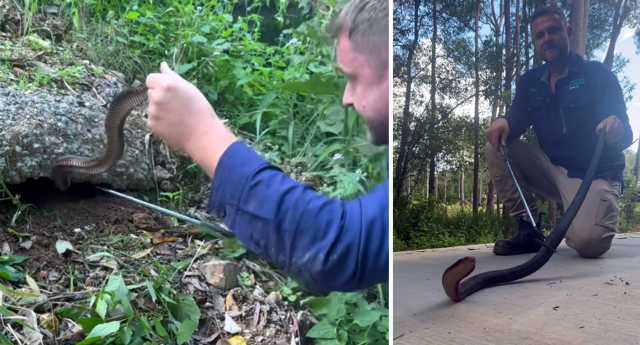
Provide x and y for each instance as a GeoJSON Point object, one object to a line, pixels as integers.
{"type": "Point", "coordinates": [119, 110]}
{"type": "Point", "coordinates": [457, 290]}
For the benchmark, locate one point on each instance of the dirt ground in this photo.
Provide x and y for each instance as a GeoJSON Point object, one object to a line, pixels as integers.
{"type": "Point", "coordinates": [56, 215]}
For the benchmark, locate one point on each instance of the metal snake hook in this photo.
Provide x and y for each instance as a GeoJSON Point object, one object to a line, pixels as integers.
{"type": "Point", "coordinates": [535, 227]}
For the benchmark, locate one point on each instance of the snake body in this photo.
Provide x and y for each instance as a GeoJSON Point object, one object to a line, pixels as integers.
{"type": "Point", "coordinates": [457, 290]}
{"type": "Point", "coordinates": [119, 109]}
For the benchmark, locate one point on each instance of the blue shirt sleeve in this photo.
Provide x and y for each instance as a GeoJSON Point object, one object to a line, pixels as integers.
{"type": "Point", "coordinates": [518, 115]}
{"type": "Point", "coordinates": [327, 244]}
{"type": "Point", "coordinates": [610, 101]}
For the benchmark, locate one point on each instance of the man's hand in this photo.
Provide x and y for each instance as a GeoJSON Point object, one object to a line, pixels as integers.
{"type": "Point", "coordinates": [178, 112]}
{"type": "Point", "coordinates": [181, 115]}
{"type": "Point", "coordinates": [613, 129]}
{"type": "Point", "coordinates": [498, 129]}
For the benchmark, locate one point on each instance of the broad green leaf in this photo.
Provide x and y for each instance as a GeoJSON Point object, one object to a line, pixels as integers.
{"type": "Point", "coordinates": [322, 330]}
{"type": "Point", "coordinates": [117, 285]}
{"type": "Point", "coordinates": [132, 15]}
{"type": "Point", "coordinates": [101, 308]}
{"type": "Point", "coordinates": [105, 329]}
{"type": "Point", "coordinates": [365, 318]}
{"type": "Point", "coordinates": [92, 340]}
{"type": "Point", "coordinates": [88, 323]}
{"type": "Point", "coordinates": [125, 335]}
{"type": "Point", "coordinates": [186, 309]}
{"type": "Point", "coordinates": [185, 331]}
{"type": "Point", "coordinates": [181, 69]}
{"type": "Point", "coordinates": [159, 328]}
{"type": "Point", "coordinates": [199, 39]}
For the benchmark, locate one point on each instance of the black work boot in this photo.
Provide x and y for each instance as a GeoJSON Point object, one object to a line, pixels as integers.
{"type": "Point", "coordinates": [521, 243]}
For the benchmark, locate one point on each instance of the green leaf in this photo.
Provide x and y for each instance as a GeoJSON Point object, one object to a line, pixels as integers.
{"type": "Point", "coordinates": [205, 28]}
{"type": "Point", "coordinates": [10, 273]}
{"type": "Point", "coordinates": [186, 309]}
{"type": "Point", "coordinates": [180, 69]}
{"type": "Point", "coordinates": [92, 340]}
{"type": "Point", "coordinates": [227, 17]}
{"type": "Point", "coordinates": [132, 15]}
{"type": "Point", "coordinates": [199, 39]}
{"type": "Point", "coordinates": [152, 291]}
{"type": "Point", "coordinates": [322, 330]}
{"type": "Point", "coordinates": [105, 329]}
{"type": "Point", "coordinates": [88, 323]}
{"type": "Point", "coordinates": [185, 331]}
{"type": "Point", "coordinates": [13, 259]}
{"type": "Point", "coordinates": [125, 335]}
{"type": "Point", "coordinates": [117, 285]}
{"type": "Point", "coordinates": [159, 328]}
{"type": "Point", "coordinates": [73, 311]}
{"type": "Point", "coordinates": [366, 318]}
{"type": "Point", "coordinates": [317, 84]}
{"type": "Point", "coordinates": [101, 308]}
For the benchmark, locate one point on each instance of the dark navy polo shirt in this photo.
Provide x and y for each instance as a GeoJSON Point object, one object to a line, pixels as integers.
{"type": "Point", "coordinates": [565, 121]}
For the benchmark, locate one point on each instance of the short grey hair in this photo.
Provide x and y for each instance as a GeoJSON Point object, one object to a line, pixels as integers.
{"type": "Point", "coordinates": [368, 25]}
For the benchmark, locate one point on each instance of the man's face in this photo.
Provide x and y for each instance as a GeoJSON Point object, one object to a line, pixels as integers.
{"type": "Point", "coordinates": [550, 37]}
{"type": "Point", "coordinates": [367, 90]}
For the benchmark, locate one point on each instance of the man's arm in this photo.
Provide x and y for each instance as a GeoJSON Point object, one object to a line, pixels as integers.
{"type": "Point", "coordinates": [610, 101]}
{"type": "Point", "coordinates": [326, 243]}
{"type": "Point", "coordinates": [518, 115]}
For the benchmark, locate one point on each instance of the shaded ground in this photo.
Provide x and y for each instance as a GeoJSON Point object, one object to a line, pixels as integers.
{"type": "Point", "coordinates": [94, 221]}
{"type": "Point", "coordinates": [56, 215]}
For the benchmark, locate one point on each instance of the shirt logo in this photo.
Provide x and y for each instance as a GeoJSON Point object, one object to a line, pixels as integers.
{"type": "Point", "coordinates": [574, 84]}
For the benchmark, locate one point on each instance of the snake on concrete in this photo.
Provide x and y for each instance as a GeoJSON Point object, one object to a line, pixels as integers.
{"type": "Point", "coordinates": [123, 103]}
{"type": "Point", "coordinates": [457, 290]}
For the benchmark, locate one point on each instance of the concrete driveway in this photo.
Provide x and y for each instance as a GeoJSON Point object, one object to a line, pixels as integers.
{"type": "Point", "coordinates": [570, 300]}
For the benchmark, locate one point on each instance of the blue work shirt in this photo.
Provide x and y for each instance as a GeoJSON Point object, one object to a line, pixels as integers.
{"type": "Point", "coordinates": [328, 244]}
{"type": "Point", "coordinates": [565, 121]}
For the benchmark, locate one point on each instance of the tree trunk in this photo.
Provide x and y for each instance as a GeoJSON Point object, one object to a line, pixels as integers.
{"type": "Point", "coordinates": [517, 44]}
{"type": "Point", "coordinates": [461, 185]}
{"type": "Point", "coordinates": [401, 167]}
{"type": "Point", "coordinates": [618, 21]}
{"type": "Point", "coordinates": [525, 17]}
{"type": "Point", "coordinates": [508, 73]}
{"type": "Point", "coordinates": [579, 23]}
{"type": "Point", "coordinates": [476, 140]}
{"type": "Point", "coordinates": [444, 194]}
{"type": "Point", "coordinates": [433, 177]}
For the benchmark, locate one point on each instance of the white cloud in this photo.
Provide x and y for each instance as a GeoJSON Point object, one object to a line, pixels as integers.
{"type": "Point", "coordinates": [625, 33]}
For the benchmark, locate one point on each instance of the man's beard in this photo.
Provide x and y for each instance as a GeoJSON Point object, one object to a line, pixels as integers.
{"type": "Point", "coordinates": [378, 133]}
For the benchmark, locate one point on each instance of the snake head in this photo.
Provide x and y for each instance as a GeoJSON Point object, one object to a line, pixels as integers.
{"type": "Point", "coordinates": [454, 274]}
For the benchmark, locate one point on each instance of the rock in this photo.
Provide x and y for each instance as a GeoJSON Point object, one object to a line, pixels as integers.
{"type": "Point", "coordinates": [40, 127]}
{"type": "Point", "coordinates": [220, 273]}
{"type": "Point", "coordinates": [144, 221]}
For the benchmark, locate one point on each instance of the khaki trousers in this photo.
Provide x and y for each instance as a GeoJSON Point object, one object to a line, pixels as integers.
{"type": "Point", "coordinates": [593, 228]}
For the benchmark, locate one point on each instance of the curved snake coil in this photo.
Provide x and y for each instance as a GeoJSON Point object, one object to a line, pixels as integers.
{"type": "Point", "coordinates": [457, 290]}
{"type": "Point", "coordinates": [119, 110]}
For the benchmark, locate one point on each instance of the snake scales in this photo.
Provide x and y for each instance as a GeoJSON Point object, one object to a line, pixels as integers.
{"type": "Point", "coordinates": [457, 290]}
{"type": "Point", "coordinates": [119, 109]}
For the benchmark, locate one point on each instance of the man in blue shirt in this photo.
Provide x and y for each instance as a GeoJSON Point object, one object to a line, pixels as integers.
{"type": "Point", "coordinates": [569, 101]}
{"type": "Point", "coordinates": [328, 244]}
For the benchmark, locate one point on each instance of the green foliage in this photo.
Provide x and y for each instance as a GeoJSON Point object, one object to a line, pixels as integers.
{"type": "Point", "coordinates": [430, 224]}
{"type": "Point", "coordinates": [288, 94]}
{"type": "Point", "coordinates": [348, 318]}
{"type": "Point", "coordinates": [284, 92]}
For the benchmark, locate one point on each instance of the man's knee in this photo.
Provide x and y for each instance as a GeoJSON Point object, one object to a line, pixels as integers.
{"type": "Point", "coordinates": [592, 248]}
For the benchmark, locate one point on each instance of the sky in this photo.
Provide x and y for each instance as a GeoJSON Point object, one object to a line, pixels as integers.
{"type": "Point", "coordinates": [627, 47]}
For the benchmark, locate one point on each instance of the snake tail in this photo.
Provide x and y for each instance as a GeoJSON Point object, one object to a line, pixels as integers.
{"type": "Point", "coordinates": [123, 103]}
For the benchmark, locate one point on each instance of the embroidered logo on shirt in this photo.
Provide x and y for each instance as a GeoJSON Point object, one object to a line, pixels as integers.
{"type": "Point", "coordinates": [574, 84]}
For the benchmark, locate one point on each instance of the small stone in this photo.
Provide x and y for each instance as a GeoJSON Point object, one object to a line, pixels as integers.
{"type": "Point", "coordinates": [220, 273]}
{"type": "Point", "coordinates": [145, 221]}
{"type": "Point", "coordinates": [162, 174]}
{"type": "Point", "coordinates": [167, 186]}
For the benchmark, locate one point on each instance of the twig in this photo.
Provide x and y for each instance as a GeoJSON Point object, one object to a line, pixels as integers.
{"type": "Point", "coordinates": [69, 87]}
